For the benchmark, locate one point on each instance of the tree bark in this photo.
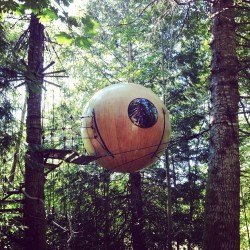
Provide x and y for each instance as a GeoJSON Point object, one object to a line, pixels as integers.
{"type": "Point", "coordinates": [137, 222]}
{"type": "Point", "coordinates": [222, 206]}
{"type": "Point", "coordinates": [34, 209]}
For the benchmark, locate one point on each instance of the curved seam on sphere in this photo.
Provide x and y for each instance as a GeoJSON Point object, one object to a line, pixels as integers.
{"type": "Point", "coordinates": [108, 154]}
{"type": "Point", "coordinates": [114, 168]}
{"type": "Point", "coordinates": [138, 149]}
{"type": "Point", "coordinates": [88, 137]}
{"type": "Point", "coordinates": [163, 132]}
{"type": "Point", "coordinates": [98, 132]}
{"type": "Point", "coordinates": [161, 151]}
{"type": "Point", "coordinates": [92, 127]}
{"type": "Point", "coordinates": [131, 161]}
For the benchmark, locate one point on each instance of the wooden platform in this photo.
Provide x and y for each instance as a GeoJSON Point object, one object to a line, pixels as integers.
{"type": "Point", "coordinates": [53, 158]}
{"type": "Point", "coordinates": [60, 154]}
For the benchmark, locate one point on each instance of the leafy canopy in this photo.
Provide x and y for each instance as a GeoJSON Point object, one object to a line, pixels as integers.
{"type": "Point", "coordinates": [48, 11]}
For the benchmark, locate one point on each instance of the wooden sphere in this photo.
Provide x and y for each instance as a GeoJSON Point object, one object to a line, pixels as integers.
{"type": "Point", "coordinates": [126, 126]}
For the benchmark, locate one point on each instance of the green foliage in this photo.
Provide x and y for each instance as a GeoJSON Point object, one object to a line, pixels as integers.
{"type": "Point", "coordinates": [243, 38]}
{"type": "Point", "coordinates": [90, 25]}
{"type": "Point", "coordinates": [43, 7]}
{"type": "Point", "coordinates": [19, 8]}
{"type": "Point", "coordinates": [6, 118]}
{"type": "Point", "coordinates": [64, 38]}
{"type": "Point", "coordinates": [64, 2]}
{"type": "Point", "coordinates": [99, 205]}
{"type": "Point", "coordinates": [81, 41]}
{"type": "Point", "coordinates": [6, 6]}
{"type": "Point", "coordinates": [35, 6]}
{"type": "Point", "coordinates": [47, 15]}
{"type": "Point", "coordinates": [6, 107]}
{"type": "Point", "coordinates": [111, 44]}
{"type": "Point", "coordinates": [185, 90]}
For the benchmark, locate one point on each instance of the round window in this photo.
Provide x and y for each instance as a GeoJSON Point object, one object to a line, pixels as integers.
{"type": "Point", "coordinates": [142, 113]}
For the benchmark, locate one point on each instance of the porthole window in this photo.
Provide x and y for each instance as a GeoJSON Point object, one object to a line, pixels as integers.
{"type": "Point", "coordinates": [142, 113]}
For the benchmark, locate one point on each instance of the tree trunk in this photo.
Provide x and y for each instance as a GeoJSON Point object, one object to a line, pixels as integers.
{"type": "Point", "coordinates": [106, 196]}
{"type": "Point", "coordinates": [18, 144]}
{"type": "Point", "coordinates": [137, 222]}
{"type": "Point", "coordinates": [191, 198]}
{"type": "Point", "coordinates": [34, 210]}
{"type": "Point", "coordinates": [169, 202]}
{"type": "Point", "coordinates": [130, 61]}
{"type": "Point", "coordinates": [223, 189]}
{"type": "Point", "coordinates": [167, 165]}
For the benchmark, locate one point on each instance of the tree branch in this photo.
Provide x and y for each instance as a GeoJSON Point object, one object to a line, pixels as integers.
{"type": "Point", "coordinates": [247, 39]}
{"type": "Point", "coordinates": [244, 132]}
{"type": "Point", "coordinates": [178, 2]}
{"type": "Point", "coordinates": [141, 12]}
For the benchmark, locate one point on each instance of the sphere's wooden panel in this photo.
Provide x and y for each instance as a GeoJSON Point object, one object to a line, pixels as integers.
{"type": "Point", "coordinates": [87, 134]}
{"type": "Point", "coordinates": [132, 147]}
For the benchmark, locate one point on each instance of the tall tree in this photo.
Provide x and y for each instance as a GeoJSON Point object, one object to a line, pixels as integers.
{"type": "Point", "coordinates": [222, 207]}
{"type": "Point", "coordinates": [34, 210]}
{"type": "Point", "coordinates": [137, 217]}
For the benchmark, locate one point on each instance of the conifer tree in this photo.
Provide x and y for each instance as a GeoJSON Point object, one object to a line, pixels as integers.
{"type": "Point", "coordinates": [222, 207]}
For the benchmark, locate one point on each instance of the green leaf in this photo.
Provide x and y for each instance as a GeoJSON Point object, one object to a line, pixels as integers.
{"type": "Point", "coordinates": [48, 15]}
{"type": "Point", "coordinates": [90, 25]}
{"type": "Point", "coordinates": [35, 6]}
{"type": "Point", "coordinates": [72, 21]}
{"type": "Point", "coordinates": [64, 38]}
{"type": "Point", "coordinates": [20, 10]}
{"type": "Point", "coordinates": [8, 6]}
{"type": "Point", "coordinates": [83, 42]}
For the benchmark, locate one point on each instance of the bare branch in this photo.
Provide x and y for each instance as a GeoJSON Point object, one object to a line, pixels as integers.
{"type": "Point", "coordinates": [244, 132]}
{"type": "Point", "coordinates": [141, 12]}
{"type": "Point", "coordinates": [56, 224]}
{"type": "Point", "coordinates": [245, 116]}
{"type": "Point", "coordinates": [245, 38]}
{"type": "Point", "coordinates": [183, 2]}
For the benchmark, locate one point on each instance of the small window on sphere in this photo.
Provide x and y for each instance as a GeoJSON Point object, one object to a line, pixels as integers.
{"type": "Point", "coordinates": [142, 113]}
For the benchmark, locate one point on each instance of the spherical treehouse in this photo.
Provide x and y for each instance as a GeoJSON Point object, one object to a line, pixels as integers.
{"type": "Point", "coordinates": [126, 126]}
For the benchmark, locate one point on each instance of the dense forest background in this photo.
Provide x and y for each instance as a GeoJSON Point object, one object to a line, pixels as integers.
{"type": "Point", "coordinates": [162, 45]}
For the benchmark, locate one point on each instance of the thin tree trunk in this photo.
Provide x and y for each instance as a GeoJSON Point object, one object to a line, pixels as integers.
{"type": "Point", "coordinates": [191, 199]}
{"type": "Point", "coordinates": [18, 143]}
{"type": "Point", "coordinates": [106, 195]}
{"type": "Point", "coordinates": [137, 222]}
{"type": "Point", "coordinates": [130, 61]}
{"type": "Point", "coordinates": [245, 216]}
{"type": "Point", "coordinates": [34, 210]}
{"type": "Point", "coordinates": [169, 203]}
{"type": "Point", "coordinates": [137, 218]}
{"type": "Point", "coordinates": [167, 165]}
{"type": "Point", "coordinates": [222, 206]}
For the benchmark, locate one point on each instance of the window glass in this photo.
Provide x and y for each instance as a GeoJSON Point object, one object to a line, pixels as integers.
{"type": "Point", "coordinates": [142, 113]}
